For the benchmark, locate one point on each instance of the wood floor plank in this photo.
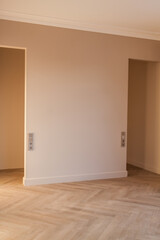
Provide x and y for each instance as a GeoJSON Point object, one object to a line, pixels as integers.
{"type": "Point", "coordinates": [114, 209]}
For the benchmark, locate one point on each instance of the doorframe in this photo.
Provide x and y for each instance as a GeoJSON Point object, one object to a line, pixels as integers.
{"type": "Point", "coordinates": [147, 60]}
{"type": "Point", "coordinates": [25, 95]}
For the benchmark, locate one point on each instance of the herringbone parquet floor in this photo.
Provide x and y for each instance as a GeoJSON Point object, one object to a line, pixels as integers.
{"type": "Point", "coordinates": [119, 209]}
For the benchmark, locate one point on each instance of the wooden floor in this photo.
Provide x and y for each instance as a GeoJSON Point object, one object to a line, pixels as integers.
{"type": "Point", "coordinates": [127, 209]}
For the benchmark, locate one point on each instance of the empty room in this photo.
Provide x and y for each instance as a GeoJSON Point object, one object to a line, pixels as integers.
{"type": "Point", "coordinates": [79, 120]}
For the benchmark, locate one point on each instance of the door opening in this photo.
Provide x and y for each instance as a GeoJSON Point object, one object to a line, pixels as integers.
{"type": "Point", "coordinates": [12, 110]}
{"type": "Point", "coordinates": [144, 115]}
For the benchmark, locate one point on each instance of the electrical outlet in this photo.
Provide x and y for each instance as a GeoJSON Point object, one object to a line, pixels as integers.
{"type": "Point", "coordinates": [30, 141]}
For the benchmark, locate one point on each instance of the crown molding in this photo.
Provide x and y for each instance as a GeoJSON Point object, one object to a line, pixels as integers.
{"type": "Point", "coordinates": [77, 25]}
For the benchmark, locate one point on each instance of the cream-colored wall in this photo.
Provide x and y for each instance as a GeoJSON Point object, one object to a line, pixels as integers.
{"type": "Point", "coordinates": [11, 108]}
{"type": "Point", "coordinates": [144, 115]}
{"type": "Point", "coordinates": [76, 92]}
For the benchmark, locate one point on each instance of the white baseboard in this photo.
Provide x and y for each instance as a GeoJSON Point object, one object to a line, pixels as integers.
{"type": "Point", "coordinates": [73, 178]}
{"type": "Point", "coordinates": [145, 166]}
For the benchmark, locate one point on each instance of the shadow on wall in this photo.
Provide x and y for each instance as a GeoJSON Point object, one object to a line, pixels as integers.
{"type": "Point", "coordinates": [144, 115]}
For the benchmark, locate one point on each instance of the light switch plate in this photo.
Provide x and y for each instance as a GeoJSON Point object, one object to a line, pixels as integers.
{"type": "Point", "coordinates": [123, 139]}
{"type": "Point", "coordinates": [30, 141]}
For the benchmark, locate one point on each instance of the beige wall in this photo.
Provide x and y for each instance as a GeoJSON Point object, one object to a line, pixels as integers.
{"type": "Point", "coordinates": [144, 115]}
{"type": "Point", "coordinates": [11, 108]}
{"type": "Point", "coordinates": [77, 85]}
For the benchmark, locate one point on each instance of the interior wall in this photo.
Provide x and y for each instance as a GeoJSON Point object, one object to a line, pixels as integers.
{"type": "Point", "coordinates": [11, 108]}
{"type": "Point", "coordinates": [76, 99]}
{"type": "Point", "coordinates": [144, 115]}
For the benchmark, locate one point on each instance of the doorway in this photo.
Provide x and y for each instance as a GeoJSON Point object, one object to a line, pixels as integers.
{"type": "Point", "coordinates": [144, 115]}
{"type": "Point", "coordinates": [12, 109]}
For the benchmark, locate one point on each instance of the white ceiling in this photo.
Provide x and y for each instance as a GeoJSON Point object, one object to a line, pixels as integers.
{"type": "Point", "coordinates": [136, 18]}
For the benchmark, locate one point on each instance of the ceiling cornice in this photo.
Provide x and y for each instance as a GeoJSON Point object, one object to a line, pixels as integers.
{"type": "Point", "coordinates": [71, 24]}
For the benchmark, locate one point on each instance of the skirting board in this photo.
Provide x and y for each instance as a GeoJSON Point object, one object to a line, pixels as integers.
{"type": "Point", "coordinates": [73, 178]}
{"type": "Point", "coordinates": [145, 166]}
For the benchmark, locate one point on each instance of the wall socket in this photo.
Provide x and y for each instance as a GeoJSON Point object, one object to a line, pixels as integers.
{"type": "Point", "coordinates": [30, 141]}
{"type": "Point", "coordinates": [123, 139]}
